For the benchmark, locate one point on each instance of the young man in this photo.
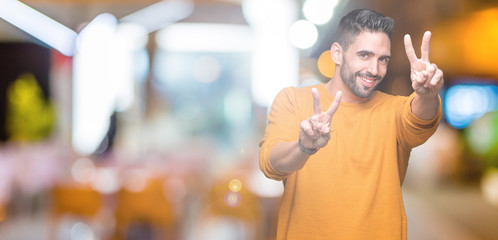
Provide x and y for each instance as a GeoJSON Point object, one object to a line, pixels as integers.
{"type": "Point", "coordinates": [343, 166]}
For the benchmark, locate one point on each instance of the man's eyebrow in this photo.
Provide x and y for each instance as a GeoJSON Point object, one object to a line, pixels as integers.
{"type": "Point", "coordinates": [370, 53]}
{"type": "Point", "coordinates": [365, 52]}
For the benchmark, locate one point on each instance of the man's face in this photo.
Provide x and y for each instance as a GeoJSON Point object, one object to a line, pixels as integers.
{"type": "Point", "coordinates": [365, 62]}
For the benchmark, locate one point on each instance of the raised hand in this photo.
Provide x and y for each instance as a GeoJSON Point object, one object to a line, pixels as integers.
{"type": "Point", "coordinates": [427, 79]}
{"type": "Point", "coordinates": [315, 131]}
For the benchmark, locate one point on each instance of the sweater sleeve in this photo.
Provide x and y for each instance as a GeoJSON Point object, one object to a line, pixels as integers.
{"type": "Point", "coordinates": [414, 131]}
{"type": "Point", "coordinates": [283, 126]}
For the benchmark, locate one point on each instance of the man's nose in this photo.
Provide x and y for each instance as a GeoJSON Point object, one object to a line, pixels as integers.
{"type": "Point", "coordinates": [373, 67]}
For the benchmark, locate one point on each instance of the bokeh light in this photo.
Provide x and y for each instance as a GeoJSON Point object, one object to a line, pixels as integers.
{"type": "Point", "coordinates": [326, 65]}
{"type": "Point", "coordinates": [232, 199]}
{"type": "Point", "coordinates": [83, 170]}
{"type": "Point", "coordinates": [319, 11]}
{"type": "Point", "coordinates": [482, 134]}
{"type": "Point", "coordinates": [81, 231]}
{"type": "Point", "coordinates": [489, 186]}
{"type": "Point", "coordinates": [106, 181]}
{"type": "Point", "coordinates": [303, 34]}
{"type": "Point", "coordinates": [465, 103]}
{"type": "Point", "coordinates": [235, 185]}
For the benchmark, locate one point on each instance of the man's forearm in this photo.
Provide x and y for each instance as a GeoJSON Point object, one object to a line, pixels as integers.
{"type": "Point", "coordinates": [287, 157]}
{"type": "Point", "coordinates": [425, 107]}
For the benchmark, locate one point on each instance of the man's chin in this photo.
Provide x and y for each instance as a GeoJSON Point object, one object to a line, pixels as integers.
{"type": "Point", "coordinates": [365, 94]}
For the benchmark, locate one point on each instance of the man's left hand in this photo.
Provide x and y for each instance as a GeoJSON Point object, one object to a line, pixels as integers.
{"type": "Point", "coordinates": [427, 79]}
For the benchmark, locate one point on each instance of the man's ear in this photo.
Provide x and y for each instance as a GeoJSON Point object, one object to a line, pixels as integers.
{"type": "Point", "coordinates": [336, 52]}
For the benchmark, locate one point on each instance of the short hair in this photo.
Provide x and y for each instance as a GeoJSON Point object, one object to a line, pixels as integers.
{"type": "Point", "coordinates": [359, 20]}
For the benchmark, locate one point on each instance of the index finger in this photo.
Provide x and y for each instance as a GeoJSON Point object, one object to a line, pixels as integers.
{"type": "Point", "coordinates": [425, 46]}
{"type": "Point", "coordinates": [410, 52]}
{"type": "Point", "coordinates": [317, 107]}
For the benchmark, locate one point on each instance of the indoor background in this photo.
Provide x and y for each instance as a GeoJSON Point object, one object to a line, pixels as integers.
{"type": "Point", "coordinates": [140, 119]}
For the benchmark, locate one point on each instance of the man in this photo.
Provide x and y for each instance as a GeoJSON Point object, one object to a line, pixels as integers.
{"type": "Point", "coordinates": [342, 167]}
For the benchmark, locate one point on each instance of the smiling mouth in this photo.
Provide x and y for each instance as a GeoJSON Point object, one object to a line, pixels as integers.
{"type": "Point", "coordinates": [368, 82]}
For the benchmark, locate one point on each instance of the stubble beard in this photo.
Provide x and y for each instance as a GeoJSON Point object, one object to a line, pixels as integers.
{"type": "Point", "coordinates": [350, 79]}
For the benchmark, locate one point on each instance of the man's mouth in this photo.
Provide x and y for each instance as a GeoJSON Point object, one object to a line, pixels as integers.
{"type": "Point", "coordinates": [368, 80]}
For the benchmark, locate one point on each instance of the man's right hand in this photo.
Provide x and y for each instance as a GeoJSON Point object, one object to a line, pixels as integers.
{"type": "Point", "coordinates": [315, 131]}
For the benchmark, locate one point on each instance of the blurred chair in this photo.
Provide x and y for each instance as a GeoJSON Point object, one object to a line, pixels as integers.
{"type": "Point", "coordinates": [144, 214]}
{"type": "Point", "coordinates": [73, 202]}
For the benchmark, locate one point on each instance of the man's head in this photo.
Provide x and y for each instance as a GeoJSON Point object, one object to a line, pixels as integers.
{"type": "Point", "coordinates": [360, 20]}
{"type": "Point", "coordinates": [363, 50]}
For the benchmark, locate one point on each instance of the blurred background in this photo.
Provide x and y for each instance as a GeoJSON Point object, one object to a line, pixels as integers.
{"type": "Point", "coordinates": [140, 119]}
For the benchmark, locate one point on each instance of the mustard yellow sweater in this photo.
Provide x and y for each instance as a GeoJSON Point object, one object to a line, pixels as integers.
{"type": "Point", "coordinates": [351, 188]}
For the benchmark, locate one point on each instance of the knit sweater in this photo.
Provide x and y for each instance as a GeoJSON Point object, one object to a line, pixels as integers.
{"type": "Point", "coordinates": [351, 188]}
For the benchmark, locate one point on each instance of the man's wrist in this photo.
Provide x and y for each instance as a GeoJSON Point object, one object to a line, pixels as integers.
{"type": "Point", "coordinates": [309, 151]}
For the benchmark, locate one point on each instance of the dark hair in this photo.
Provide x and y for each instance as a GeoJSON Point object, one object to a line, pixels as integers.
{"type": "Point", "coordinates": [359, 20]}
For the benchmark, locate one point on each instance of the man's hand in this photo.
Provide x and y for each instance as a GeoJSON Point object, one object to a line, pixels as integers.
{"type": "Point", "coordinates": [427, 79]}
{"type": "Point", "coordinates": [315, 131]}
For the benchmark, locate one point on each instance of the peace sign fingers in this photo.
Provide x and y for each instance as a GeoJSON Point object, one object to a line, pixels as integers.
{"type": "Point", "coordinates": [315, 131]}
{"type": "Point", "coordinates": [426, 77]}
{"type": "Point", "coordinates": [424, 49]}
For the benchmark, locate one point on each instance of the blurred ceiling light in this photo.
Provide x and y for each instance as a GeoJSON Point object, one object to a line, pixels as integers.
{"type": "Point", "coordinates": [131, 36]}
{"type": "Point", "coordinates": [128, 40]}
{"type": "Point", "coordinates": [39, 26]}
{"type": "Point", "coordinates": [319, 11]}
{"type": "Point", "coordinates": [105, 67]}
{"type": "Point", "coordinates": [205, 37]}
{"type": "Point", "coordinates": [102, 26]}
{"type": "Point", "coordinates": [93, 84]}
{"type": "Point", "coordinates": [275, 62]}
{"type": "Point", "coordinates": [268, 13]}
{"type": "Point", "coordinates": [160, 14]}
{"type": "Point", "coordinates": [303, 34]}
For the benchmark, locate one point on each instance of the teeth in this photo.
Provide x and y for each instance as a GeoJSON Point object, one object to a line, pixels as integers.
{"type": "Point", "coordinates": [366, 80]}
